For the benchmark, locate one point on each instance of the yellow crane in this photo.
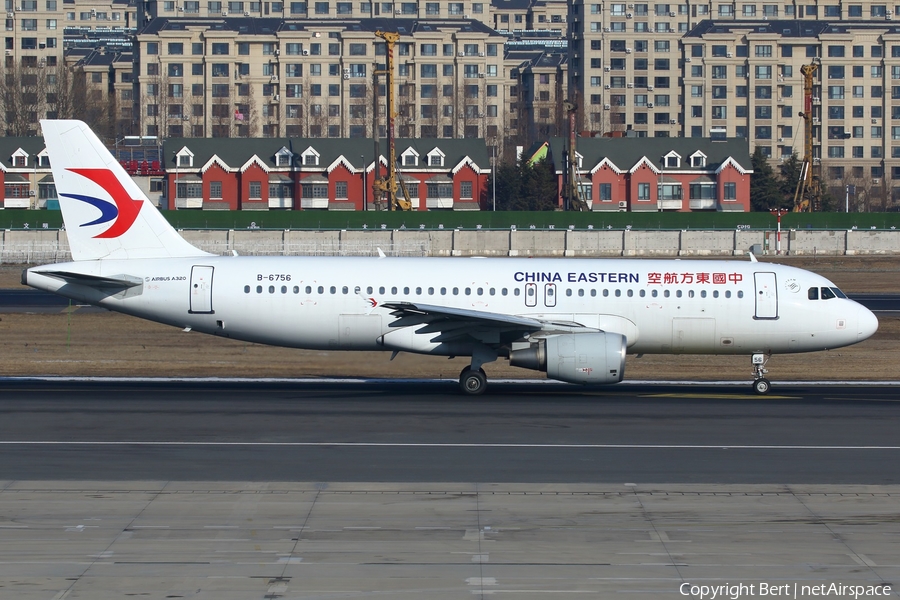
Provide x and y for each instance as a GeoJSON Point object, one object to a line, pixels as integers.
{"type": "Point", "coordinates": [808, 195]}
{"type": "Point", "coordinates": [390, 184]}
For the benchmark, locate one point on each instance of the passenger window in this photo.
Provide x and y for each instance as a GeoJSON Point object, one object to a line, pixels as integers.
{"type": "Point", "coordinates": [321, 289]}
{"type": "Point", "coordinates": [605, 293]}
{"type": "Point", "coordinates": [284, 289]}
{"type": "Point", "coordinates": [827, 294]}
{"type": "Point", "coordinates": [296, 289]}
{"type": "Point", "coordinates": [456, 291]}
{"type": "Point", "coordinates": [271, 289]}
{"type": "Point", "coordinates": [703, 293]}
{"type": "Point", "coordinates": [666, 293]}
{"type": "Point", "coordinates": [345, 290]}
{"type": "Point", "coordinates": [468, 291]}
{"type": "Point", "coordinates": [480, 291]}
{"type": "Point", "coordinates": [593, 293]}
{"type": "Point", "coordinates": [394, 290]}
{"type": "Point", "coordinates": [530, 292]}
{"type": "Point", "coordinates": [813, 293]}
{"type": "Point", "coordinates": [728, 294]}
{"type": "Point", "coordinates": [246, 289]}
{"type": "Point", "coordinates": [568, 292]}
{"type": "Point", "coordinates": [418, 291]}
{"type": "Point", "coordinates": [581, 292]}
{"type": "Point", "coordinates": [618, 293]}
{"type": "Point", "coordinates": [309, 289]}
{"type": "Point", "coordinates": [443, 291]}
{"type": "Point", "coordinates": [369, 290]}
{"type": "Point", "coordinates": [740, 294]}
{"type": "Point", "coordinates": [503, 292]}
{"type": "Point", "coordinates": [678, 293]}
{"type": "Point", "coordinates": [515, 291]}
{"type": "Point", "coordinates": [690, 293]}
{"type": "Point", "coordinates": [491, 291]}
{"type": "Point", "coordinates": [381, 289]}
{"type": "Point", "coordinates": [715, 293]}
{"type": "Point", "coordinates": [654, 293]}
{"type": "Point", "coordinates": [629, 293]}
{"type": "Point", "coordinates": [406, 291]}
{"type": "Point", "coordinates": [431, 291]}
{"type": "Point", "coordinates": [259, 289]}
{"type": "Point", "coordinates": [333, 290]}
{"type": "Point", "coordinates": [643, 293]}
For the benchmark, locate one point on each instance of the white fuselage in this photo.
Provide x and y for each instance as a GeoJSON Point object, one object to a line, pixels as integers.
{"type": "Point", "coordinates": [660, 306]}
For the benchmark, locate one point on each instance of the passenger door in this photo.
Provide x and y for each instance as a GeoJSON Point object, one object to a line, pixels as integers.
{"type": "Point", "coordinates": [201, 290]}
{"type": "Point", "coordinates": [766, 296]}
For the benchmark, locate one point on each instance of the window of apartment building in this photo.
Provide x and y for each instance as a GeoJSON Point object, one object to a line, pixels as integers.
{"type": "Point", "coordinates": [763, 112]}
{"type": "Point", "coordinates": [726, 10]}
{"type": "Point", "coordinates": [196, 68]}
{"type": "Point", "coordinates": [176, 90]}
{"type": "Point", "coordinates": [835, 112]}
{"type": "Point", "coordinates": [878, 11]}
{"type": "Point", "coordinates": [720, 72]}
{"type": "Point", "coordinates": [763, 50]}
{"type": "Point", "coordinates": [219, 69]}
{"type": "Point", "coordinates": [643, 191]}
{"type": "Point", "coordinates": [176, 70]}
{"type": "Point", "coordinates": [661, 45]}
{"type": "Point", "coordinates": [719, 112]}
{"type": "Point", "coordinates": [298, 8]}
{"type": "Point", "coordinates": [835, 92]}
{"type": "Point", "coordinates": [877, 51]}
{"type": "Point", "coordinates": [661, 64]}
{"type": "Point", "coordinates": [749, 10]}
{"type": "Point", "coordinates": [220, 90]}
{"type": "Point", "coordinates": [835, 71]}
{"type": "Point", "coordinates": [763, 71]}
{"type": "Point", "coordinates": [876, 91]}
{"type": "Point", "coordinates": [855, 11]}
{"type": "Point", "coordinates": [770, 11]}
{"type": "Point", "coordinates": [763, 92]}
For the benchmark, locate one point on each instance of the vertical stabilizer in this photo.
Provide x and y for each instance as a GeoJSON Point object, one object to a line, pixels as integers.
{"type": "Point", "coordinates": [105, 212]}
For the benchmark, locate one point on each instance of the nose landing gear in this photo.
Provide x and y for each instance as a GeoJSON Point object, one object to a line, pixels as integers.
{"type": "Point", "coordinates": [761, 385]}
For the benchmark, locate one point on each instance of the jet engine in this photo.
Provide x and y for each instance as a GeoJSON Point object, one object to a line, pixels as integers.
{"type": "Point", "coordinates": [574, 358]}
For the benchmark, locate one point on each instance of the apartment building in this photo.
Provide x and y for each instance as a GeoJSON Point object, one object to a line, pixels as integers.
{"type": "Point", "coordinates": [172, 9]}
{"type": "Point", "coordinates": [311, 78]}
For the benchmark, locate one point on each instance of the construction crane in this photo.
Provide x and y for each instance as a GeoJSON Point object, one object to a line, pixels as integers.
{"type": "Point", "coordinates": [390, 184]}
{"type": "Point", "coordinates": [572, 192]}
{"type": "Point", "coordinates": [808, 195]}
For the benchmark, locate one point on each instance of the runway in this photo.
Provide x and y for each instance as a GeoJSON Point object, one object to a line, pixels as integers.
{"type": "Point", "coordinates": [424, 431]}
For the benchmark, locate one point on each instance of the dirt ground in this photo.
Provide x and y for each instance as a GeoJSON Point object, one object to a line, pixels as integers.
{"type": "Point", "coordinates": [108, 344]}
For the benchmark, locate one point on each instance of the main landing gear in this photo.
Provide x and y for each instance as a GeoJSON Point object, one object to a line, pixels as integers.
{"type": "Point", "coordinates": [761, 385]}
{"type": "Point", "coordinates": [472, 380]}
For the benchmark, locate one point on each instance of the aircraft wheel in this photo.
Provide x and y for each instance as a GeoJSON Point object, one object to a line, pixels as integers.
{"type": "Point", "coordinates": [472, 383]}
{"type": "Point", "coordinates": [762, 386]}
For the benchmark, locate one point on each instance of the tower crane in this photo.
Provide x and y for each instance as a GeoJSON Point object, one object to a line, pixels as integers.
{"type": "Point", "coordinates": [808, 195]}
{"type": "Point", "coordinates": [390, 184]}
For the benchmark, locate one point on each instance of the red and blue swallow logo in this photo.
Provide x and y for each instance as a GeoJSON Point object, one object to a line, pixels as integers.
{"type": "Point", "coordinates": [122, 211]}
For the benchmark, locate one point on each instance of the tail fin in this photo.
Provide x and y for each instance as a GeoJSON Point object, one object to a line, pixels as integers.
{"type": "Point", "coordinates": [105, 212]}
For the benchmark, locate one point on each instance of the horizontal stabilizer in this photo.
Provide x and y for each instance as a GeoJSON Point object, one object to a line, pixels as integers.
{"type": "Point", "coordinates": [118, 282]}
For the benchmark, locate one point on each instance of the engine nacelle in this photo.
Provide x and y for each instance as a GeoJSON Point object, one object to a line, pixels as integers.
{"type": "Point", "coordinates": [576, 358]}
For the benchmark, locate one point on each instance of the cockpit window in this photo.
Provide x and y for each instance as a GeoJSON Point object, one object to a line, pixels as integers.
{"type": "Point", "coordinates": [827, 294]}
{"type": "Point", "coordinates": [838, 293]}
{"type": "Point", "coordinates": [813, 293]}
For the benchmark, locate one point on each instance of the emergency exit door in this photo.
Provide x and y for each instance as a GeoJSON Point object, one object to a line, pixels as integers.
{"type": "Point", "coordinates": [201, 290]}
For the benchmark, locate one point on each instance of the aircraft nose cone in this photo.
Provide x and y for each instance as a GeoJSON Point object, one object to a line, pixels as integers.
{"type": "Point", "coordinates": [867, 324]}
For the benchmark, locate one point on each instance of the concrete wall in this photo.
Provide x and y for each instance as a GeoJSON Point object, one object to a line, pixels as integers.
{"type": "Point", "coordinates": [41, 246]}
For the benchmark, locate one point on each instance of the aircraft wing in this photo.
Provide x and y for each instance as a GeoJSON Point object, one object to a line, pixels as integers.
{"type": "Point", "coordinates": [456, 324]}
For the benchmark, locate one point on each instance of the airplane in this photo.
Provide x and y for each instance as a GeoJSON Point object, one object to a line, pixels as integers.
{"type": "Point", "coordinates": [574, 319]}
